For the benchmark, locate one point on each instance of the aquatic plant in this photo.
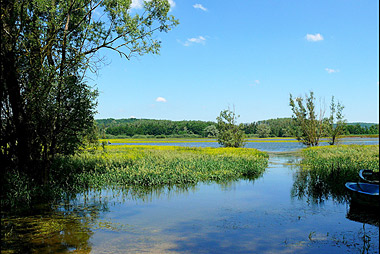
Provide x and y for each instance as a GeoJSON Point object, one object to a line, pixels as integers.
{"type": "Point", "coordinates": [160, 165]}
{"type": "Point", "coordinates": [342, 158]}
{"type": "Point", "coordinates": [141, 166]}
{"type": "Point", "coordinates": [326, 170]}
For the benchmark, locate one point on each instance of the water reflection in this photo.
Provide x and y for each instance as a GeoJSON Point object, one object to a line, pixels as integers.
{"type": "Point", "coordinates": [69, 225]}
{"type": "Point", "coordinates": [363, 214]}
{"type": "Point", "coordinates": [320, 186]}
{"type": "Point", "coordinates": [317, 187]}
{"type": "Point", "coordinates": [49, 230]}
{"type": "Point", "coordinates": [253, 215]}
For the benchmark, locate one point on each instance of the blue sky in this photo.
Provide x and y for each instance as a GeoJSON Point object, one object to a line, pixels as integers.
{"type": "Point", "coordinates": [250, 55]}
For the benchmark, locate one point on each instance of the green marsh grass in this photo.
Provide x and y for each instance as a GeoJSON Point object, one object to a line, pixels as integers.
{"type": "Point", "coordinates": [326, 169]}
{"type": "Point", "coordinates": [342, 158]}
{"type": "Point", "coordinates": [161, 165]}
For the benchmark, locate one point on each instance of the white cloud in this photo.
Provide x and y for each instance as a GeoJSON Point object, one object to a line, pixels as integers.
{"type": "Point", "coordinates": [172, 3]}
{"type": "Point", "coordinates": [330, 71]}
{"type": "Point", "coordinates": [314, 37]}
{"type": "Point", "coordinates": [160, 99]}
{"type": "Point", "coordinates": [197, 40]}
{"type": "Point", "coordinates": [139, 4]}
{"type": "Point", "coordinates": [255, 83]}
{"type": "Point", "coordinates": [199, 6]}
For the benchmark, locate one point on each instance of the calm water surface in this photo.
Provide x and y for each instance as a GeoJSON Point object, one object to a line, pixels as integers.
{"type": "Point", "coordinates": [271, 214]}
{"type": "Point", "coordinates": [269, 145]}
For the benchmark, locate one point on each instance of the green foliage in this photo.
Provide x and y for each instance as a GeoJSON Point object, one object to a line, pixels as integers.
{"type": "Point", "coordinates": [47, 47]}
{"type": "Point", "coordinates": [327, 168]}
{"type": "Point", "coordinates": [361, 128]}
{"type": "Point", "coordinates": [211, 131]}
{"type": "Point", "coordinates": [138, 166]}
{"type": "Point", "coordinates": [155, 165]}
{"type": "Point", "coordinates": [132, 127]}
{"type": "Point", "coordinates": [250, 128]}
{"type": "Point", "coordinates": [336, 123]}
{"type": "Point", "coordinates": [342, 158]}
{"type": "Point", "coordinates": [308, 126]}
{"type": "Point", "coordinates": [263, 130]}
{"type": "Point", "coordinates": [230, 134]}
{"type": "Point", "coordinates": [279, 127]}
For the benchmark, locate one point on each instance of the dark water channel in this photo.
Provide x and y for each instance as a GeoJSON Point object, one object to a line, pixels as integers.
{"type": "Point", "coordinates": [280, 212]}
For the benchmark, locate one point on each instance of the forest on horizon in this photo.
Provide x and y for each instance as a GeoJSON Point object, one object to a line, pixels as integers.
{"type": "Point", "coordinates": [133, 127]}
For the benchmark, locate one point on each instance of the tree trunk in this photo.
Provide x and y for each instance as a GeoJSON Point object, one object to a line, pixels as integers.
{"type": "Point", "coordinates": [19, 118]}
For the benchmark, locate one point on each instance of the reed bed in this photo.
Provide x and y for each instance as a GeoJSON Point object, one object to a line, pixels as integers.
{"type": "Point", "coordinates": [342, 158]}
{"type": "Point", "coordinates": [328, 168]}
{"type": "Point", "coordinates": [159, 165]}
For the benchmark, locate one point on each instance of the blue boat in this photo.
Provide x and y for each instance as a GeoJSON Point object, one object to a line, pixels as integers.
{"type": "Point", "coordinates": [368, 176]}
{"type": "Point", "coordinates": [364, 193]}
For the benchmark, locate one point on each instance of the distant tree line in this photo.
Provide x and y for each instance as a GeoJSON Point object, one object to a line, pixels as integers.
{"type": "Point", "coordinates": [279, 127]}
{"type": "Point", "coordinates": [359, 129]}
{"type": "Point", "coordinates": [161, 128]}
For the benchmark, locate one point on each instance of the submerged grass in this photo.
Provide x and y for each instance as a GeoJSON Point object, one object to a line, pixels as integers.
{"type": "Point", "coordinates": [161, 165]}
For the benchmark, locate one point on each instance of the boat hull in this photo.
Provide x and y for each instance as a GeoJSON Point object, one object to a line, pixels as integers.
{"type": "Point", "coordinates": [364, 193]}
{"type": "Point", "coordinates": [368, 176]}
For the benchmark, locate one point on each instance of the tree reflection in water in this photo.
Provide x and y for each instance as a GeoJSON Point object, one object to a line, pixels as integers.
{"type": "Point", "coordinates": [49, 230]}
{"type": "Point", "coordinates": [69, 225]}
{"type": "Point", "coordinates": [318, 186]}
{"type": "Point", "coordinates": [363, 214]}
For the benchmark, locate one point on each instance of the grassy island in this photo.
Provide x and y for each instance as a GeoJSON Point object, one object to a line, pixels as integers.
{"type": "Point", "coordinates": [135, 166]}
{"type": "Point", "coordinates": [161, 165]}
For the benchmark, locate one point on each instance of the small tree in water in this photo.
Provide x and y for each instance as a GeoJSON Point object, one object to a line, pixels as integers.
{"type": "Point", "coordinates": [308, 126]}
{"type": "Point", "coordinates": [230, 134]}
{"type": "Point", "coordinates": [336, 122]}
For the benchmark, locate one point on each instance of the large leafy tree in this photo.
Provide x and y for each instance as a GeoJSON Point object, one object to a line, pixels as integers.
{"type": "Point", "coordinates": [47, 46]}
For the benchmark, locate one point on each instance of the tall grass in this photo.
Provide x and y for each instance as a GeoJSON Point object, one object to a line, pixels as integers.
{"type": "Point", "coordinates": [133, 166]}
{"type": "Point", "coordinates": [342, 157]}
{"type": "Point", "coordinates": [160, 165]}
{"type": "Point", "coordinates": [328, 168]}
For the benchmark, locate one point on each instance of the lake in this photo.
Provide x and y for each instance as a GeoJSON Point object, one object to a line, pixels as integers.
{"type": "Point", "coordinates": [270, 214]}
{"type": "Point", "coordinates": [269, 145]}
